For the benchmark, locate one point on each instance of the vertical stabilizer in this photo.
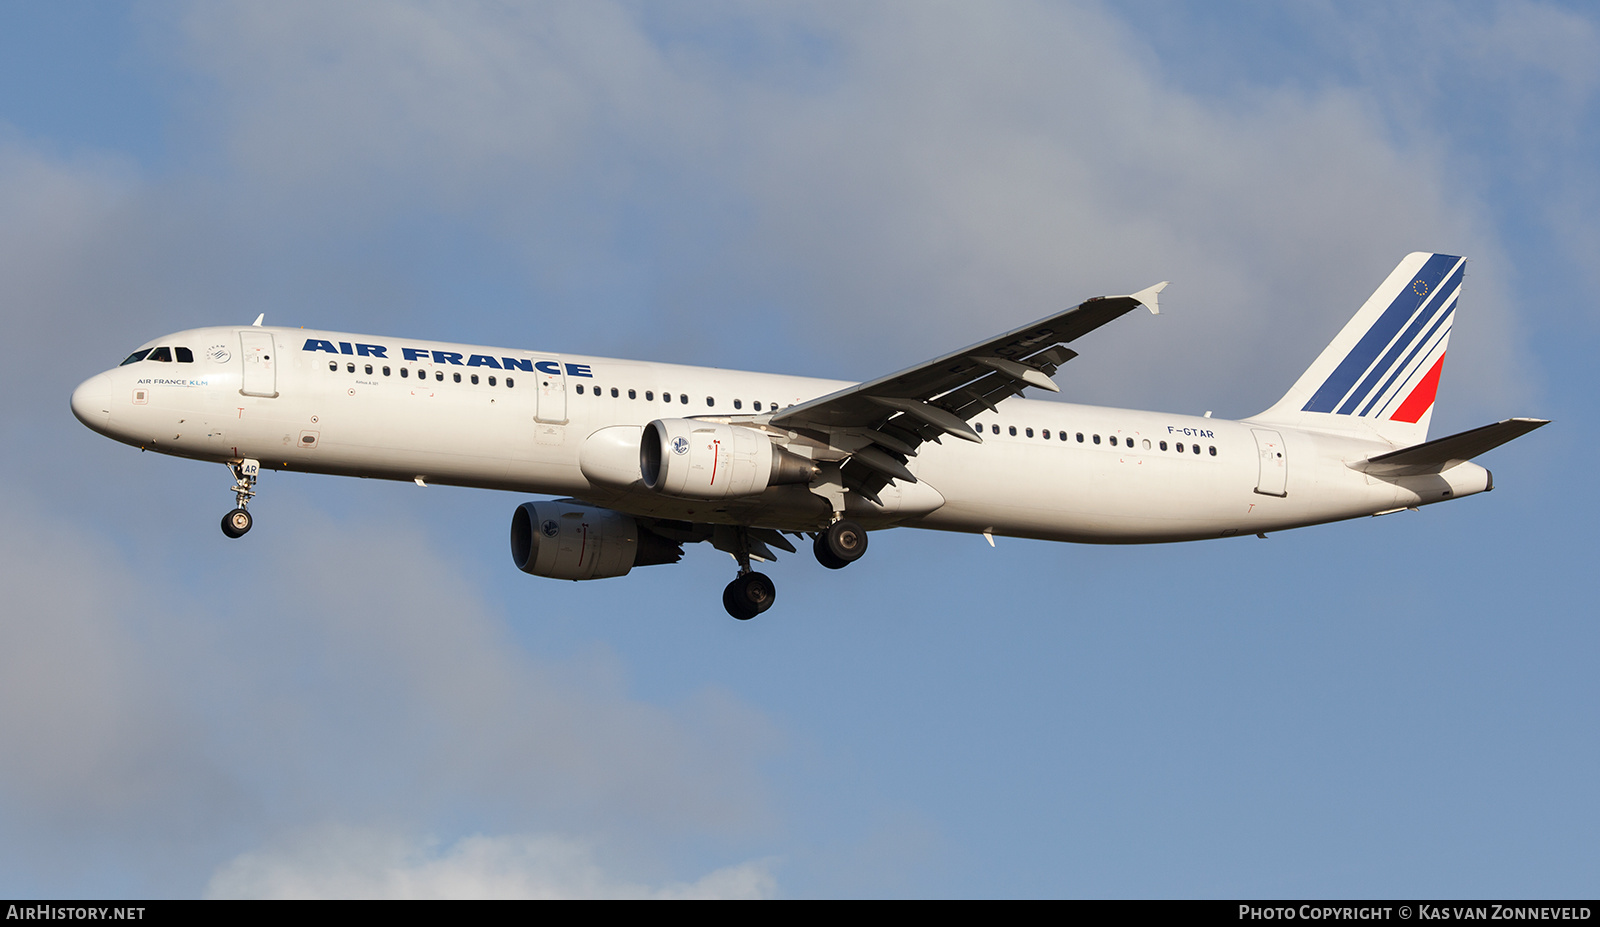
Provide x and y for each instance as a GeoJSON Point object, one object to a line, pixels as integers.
{"type": "Point", "coordinates": [1378, 378]}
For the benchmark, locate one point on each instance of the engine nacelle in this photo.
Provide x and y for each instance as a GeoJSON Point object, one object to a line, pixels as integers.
{"type": "Point", "coordinates": [565, 540]}
{"type": "Point", "coordinates": [706, 460]}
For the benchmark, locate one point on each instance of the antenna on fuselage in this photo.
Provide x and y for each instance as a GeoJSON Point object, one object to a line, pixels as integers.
{"type": "Point", "coordinates": [259, 318]}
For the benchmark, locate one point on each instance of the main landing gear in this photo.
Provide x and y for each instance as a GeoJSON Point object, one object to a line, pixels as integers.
{"type": "Point", "coordinates": [238, 521]}
{"type": "Point", "coordinates": [841, 545]}
{"type": "Point", "coordinates": [749, 595]}
{"type": "Point", "coordinates": [752, 593]}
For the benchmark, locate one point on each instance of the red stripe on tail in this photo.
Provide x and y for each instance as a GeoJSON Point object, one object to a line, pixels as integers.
{"type": "Point", "coordinates": [1421, 398]}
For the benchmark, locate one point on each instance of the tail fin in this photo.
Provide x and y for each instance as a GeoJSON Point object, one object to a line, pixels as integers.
{"type": "Point", "coordinates": [1378, 378]}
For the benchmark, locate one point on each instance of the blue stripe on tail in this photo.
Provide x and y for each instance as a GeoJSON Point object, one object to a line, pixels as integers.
{"type": "Point", "coordinates": [1406, 302]}
{"type": "Point", "coordinates": [1443, 298]}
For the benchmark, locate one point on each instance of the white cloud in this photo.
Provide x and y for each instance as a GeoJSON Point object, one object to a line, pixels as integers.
{"type": "Point", "coordinates": [345, 862]}
{"type": "Point", "coordinates": [63, 257]}
{"type": "Point", "coordinates": [876, 183]}
{"type": "Point", "coordinates": [340, 671]}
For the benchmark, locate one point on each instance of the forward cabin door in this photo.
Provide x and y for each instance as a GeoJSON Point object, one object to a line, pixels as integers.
{"type": "Point", "coordinates": [1273, 480]}
{"type": "Point", "coordinates": [260, 364]}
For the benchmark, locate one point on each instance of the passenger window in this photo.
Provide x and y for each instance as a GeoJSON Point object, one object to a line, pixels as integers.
{"type": "Point", "coordinates": [1013, 430]}
{"type": "Point", "coordinates": [738, 404]}
{"type": "Point", "coordinates": [580, 389]}
{"type": "Point", "coordinates": [161, 354]}
{"type": "Point", "coordinates": [1097, 439]}
{"type": "Point", "coordinates": [369, 370]}
{"type": "Point", "coordinates": [1080, 437]}
{"type": "Point", "coordinates": [995, 429]}
{"type": "Point", "coordinates": [649, 395]}
{"type": "Point", "coordinates": [404, 373]}
{"type": "Point", "coordinates": [1029, 432]}
{"type": "Point", "coordinates": [632, 394]}
{"type": "Point", "coordinates": [185, 356]}
{"type": "Point", "coordinates": [1147, 444]}
{"type": "Point", "coordinates": [710, 402]}
{"type": "Point", "coordinates": [386, 371]}
{"type": "Point", "coordinates": [1045, 434]}
{"type": "Point", "coordinates": [333, 366]}
{"type": "Point", "coordinates": [456, 377]}
{"type": "Point", "coordinates": [350, 368]}
{"type": "Point", "coordinates": [1128, 441]}
{"type": "Point", "coordinates": [491, 381]}
{"type": "Point", "coordinates": [1196, 448]}
{"type": "Point", "coordinates": [683, 398]}
{"type": "Point", "coordinates": [666, 397]}
{"type": "Point", "coordinates": [439, 375]}
{"type": "Point", "coordinates": [474, 379]}
{"type": "Point", "coordinates": [758, 405]}
{"type": "Point", "coordinates": [614, 393]}
{"type": "Point", "coordinates": [510, 383]}
{"type": "Point", "coordinates": [135, 357]}
{"type": "Point", "coordinates": [1213, 451]}
{"type": "Point", "coordinates": [1163, 445]}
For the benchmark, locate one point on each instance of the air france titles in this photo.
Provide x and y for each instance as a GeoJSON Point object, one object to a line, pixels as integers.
{"type": "Point", "coordinates": [425, 355]}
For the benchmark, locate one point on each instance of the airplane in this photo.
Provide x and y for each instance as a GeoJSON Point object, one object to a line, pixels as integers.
{"type": "Point", "coordinates": [647, 457]}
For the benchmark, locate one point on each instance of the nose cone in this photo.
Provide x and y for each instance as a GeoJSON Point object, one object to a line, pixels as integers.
{"type": "Point", "coordinates": [91, 402]}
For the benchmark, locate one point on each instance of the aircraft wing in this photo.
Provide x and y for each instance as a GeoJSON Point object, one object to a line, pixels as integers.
{"type": "Point", "coordinates": [882, 422]}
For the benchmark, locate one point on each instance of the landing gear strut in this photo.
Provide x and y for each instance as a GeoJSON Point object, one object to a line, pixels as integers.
{"type": "Point", "coordinates": [750, 593]}
{"type": "Point", "coordinates": [238, 521]}
{"type": "Point", "coordinates": [841, 545]}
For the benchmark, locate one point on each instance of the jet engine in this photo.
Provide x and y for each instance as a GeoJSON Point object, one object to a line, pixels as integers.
{"type": "Point", "coordinates": [705, 460]}
{"type": "Point", "coordinates": [566, 540]}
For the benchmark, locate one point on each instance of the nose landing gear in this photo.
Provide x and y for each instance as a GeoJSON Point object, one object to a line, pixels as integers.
{"type": "Point", "coordinates": [238, 521]}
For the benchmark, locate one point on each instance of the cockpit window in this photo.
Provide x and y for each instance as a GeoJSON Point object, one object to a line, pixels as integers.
{"type": "Point", "coordinates": [135, 357]}
{"type": "Point", "coordinates": [163, 354]}
{"type": "Point", "coordinates": [185, 356]}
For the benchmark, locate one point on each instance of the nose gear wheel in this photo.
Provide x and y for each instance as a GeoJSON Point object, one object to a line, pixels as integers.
{"type": "Point", "coordinates": [238, 521]}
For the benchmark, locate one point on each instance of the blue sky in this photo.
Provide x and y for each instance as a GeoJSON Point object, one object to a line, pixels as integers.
{"type": "Point", "coordinates": [364, 697]}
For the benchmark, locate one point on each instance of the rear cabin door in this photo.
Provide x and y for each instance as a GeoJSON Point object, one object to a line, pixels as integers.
{"type": "Point", "coordinates": [1273, 479]}
{"type": "Point", "coordinates": [260, 364]}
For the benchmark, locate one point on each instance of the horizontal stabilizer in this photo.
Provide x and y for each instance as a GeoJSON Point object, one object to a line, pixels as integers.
{"type": "Point", "coordinates": [1441, 454]}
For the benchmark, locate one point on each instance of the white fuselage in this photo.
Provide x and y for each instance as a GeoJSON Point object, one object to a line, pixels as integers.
{"type": "Point", "coordinates": [388, 408]}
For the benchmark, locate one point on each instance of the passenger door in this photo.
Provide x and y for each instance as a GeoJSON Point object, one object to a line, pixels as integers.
{"type": "Point", "coordinates": [1273, 477]}
{"type": "Point", "coordinates": [260, 364]}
